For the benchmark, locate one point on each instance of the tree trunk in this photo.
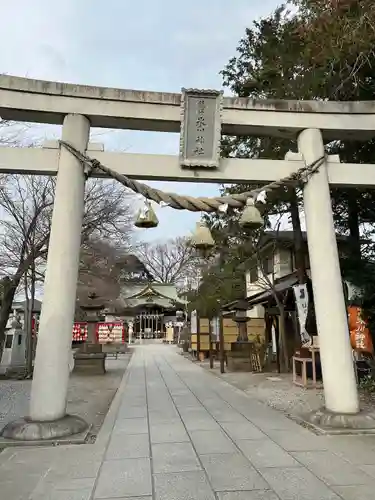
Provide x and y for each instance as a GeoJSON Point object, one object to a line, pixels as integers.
{"type": "Point", "coordinates": [6, 309]}
{"type": "Point", "coordinates": [299, 251]}
{"type": "Point", "coordinates": [282, 338]}
{"type": "Point", "coordinates": [299, 246]}
{"type": "Point", "coordinates": [29, 322]}
{"type": "Point", "coordinates": [353, 225]}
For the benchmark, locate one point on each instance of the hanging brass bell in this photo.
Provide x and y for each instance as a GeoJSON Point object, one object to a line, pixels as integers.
{"type": "Point", "coordinates": [251, 218]}
{"type": "Point", "coordinates": [146, 218]}
{"type": "Point", "coordinates": [202, 238]}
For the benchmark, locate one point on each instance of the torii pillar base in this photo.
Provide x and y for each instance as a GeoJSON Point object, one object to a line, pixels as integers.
{"type": "Point", "coordinates": [25, 429]}
{"type": "Point", "coordinates": [324, 421]}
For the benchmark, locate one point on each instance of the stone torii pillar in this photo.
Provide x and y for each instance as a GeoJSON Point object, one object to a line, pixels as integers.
{"type": "Point", "coordinates": [47, 418]}
{"type": "Point", "coordinates": [340, 388]}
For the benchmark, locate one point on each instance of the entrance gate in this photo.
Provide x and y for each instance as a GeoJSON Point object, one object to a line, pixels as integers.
{"type": "Point", "coordinates": [201, 117]}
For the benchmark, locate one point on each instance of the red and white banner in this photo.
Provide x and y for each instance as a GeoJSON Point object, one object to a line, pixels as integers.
{"type": "Point", "coordinates": [79, 331]}
{"type": "Point", "coordinates": [105, 332]}
{"type": "Point", "coordinates": [110, 333]}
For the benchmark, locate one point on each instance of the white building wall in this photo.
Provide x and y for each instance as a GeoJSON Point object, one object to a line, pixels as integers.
{"type": "Point", "coordinates": [282, 267]}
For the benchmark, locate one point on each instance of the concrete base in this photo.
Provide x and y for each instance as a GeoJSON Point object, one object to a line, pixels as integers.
{"type": "Point", "coordinates": [239, 357]}
{"type": "Point", "coordinates": [26, 429]}
{"type": "Point", "coordinates": [89, 360]}
{"type": "Point", "coordinates": [326, 422]}
{"type": "Point", "coordinates": [238, 362]}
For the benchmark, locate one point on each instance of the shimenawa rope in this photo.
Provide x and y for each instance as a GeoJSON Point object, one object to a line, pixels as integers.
{"type": "Point", "coordinates": [193, 204]}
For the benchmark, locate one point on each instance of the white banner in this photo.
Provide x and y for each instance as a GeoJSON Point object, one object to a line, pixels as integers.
{"type": "Point", "coordinates": [194, 322]}
{"type": "Point", "coordinates": [302, 304]}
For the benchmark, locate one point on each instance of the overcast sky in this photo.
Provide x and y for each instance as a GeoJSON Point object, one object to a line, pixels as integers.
{"type": "Point", "coordinates": [149, 45]}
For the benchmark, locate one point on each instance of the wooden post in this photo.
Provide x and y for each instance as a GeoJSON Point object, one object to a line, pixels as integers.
{"type": "Point", "coordinates": [277, 335]}
{"type": "Point", "coordinates": [210, 344]}
{"type": "Point", "coordinates": [198, 335]}
{"type": "Point", "coordinates": [221, 343]}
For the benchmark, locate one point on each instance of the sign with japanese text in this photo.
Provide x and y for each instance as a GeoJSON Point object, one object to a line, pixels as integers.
{"type": "Point", "coordinates": [108, 332]}
{"type": "Point", "coordinates": [302, 303]}
{"type": "Point", "coordinates": [360, 337]}
{"type": "Point", "coordinates": [200, 128]}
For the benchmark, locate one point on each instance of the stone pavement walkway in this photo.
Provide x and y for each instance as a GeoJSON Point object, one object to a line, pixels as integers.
{"type": "Point", "coordinates": [175, 432]}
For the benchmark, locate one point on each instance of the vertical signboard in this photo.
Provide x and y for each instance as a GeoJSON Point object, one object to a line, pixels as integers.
{"type": "Point", "coordinates": [200, 134]}
{"type": "Point", "coordinates": [194, 322]}
{"type": "Point", "coordinates": [302, 304]}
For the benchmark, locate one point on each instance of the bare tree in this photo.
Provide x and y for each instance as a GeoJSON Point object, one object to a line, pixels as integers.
{"type": "Point", "coordinates": [27, 204]}
{"type": "Point", "coordinates": [174, 261]}
{"type": "Point", "coordinates": [100, 269]}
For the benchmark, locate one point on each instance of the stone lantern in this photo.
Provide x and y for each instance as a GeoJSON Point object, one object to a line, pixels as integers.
{"type": "Point", "coordinates": [90, 359]}
{"type": "Point", "coordinates": [241, 318]}
{"type": "Point", "coordinates": [239, 357]}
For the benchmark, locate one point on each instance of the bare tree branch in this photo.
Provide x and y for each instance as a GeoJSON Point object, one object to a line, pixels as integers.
{"type": "Point", "coordinates": [172, 262]}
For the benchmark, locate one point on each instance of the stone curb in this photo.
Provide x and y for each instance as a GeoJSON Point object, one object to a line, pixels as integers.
{"type": "Point", "coordinates": [105, 432]}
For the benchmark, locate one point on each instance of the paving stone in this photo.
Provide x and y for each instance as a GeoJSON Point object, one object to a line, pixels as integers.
{"type": "Point", "coordinates": [299, 440]}
{"type": "Point", "coordinates": [238, 430]}
{"type": "Point", "coordinates": [12, 472]}
{"type": "Point", "coordinates": [332, 469]}
{"type": "Point", "coordinates": [179, 391]}
{"type": "Point", "coordinates": [368, 469]}
{"type": "Point", "coordinates": [297, 483]}
{"type": "Point", "coordinates": [248, 495]}
{"type": "Point", "coordinates": [186, 401]}
{"type": "Point", "coordinates": [63, 495]}
{"type": "Point", "coordinates": [162, 416]}
{"type": "Point", "coordinates": [228, 416]}
{"type": "Point", "coordinates": [211, 442]}
{"type": "Point", "coordinates": [357, 492]}
{"type": "Point", "coordinates": [201, 424]}
{"type": "Point", "coordinates": [17, 489]}
{"type": "Point", "coordinates": [131, 426]}
{"type": "Point", "coordinates": [132, 412]}
{"type": "Point", "coordinates": [128, 478]}
{"type": "Point", "coordinates": [130, 402]}
{"type": "Point", "coordinates": [72, 488]}
{"type": "Point", "coordinates": [182, 486]}
{"type": "Point", "coordinates": [359, 450]}
{"type": "Point", "coordinates": [70, 470]}
{"type": "Point", "coordinates": [174, 457]}
{"type": "Point", "coordinates": [265, 453]}
{"type": "Point", "coordinates": [276, 422]}
{"type": "Point", "coordinates": [168, 433]}
{"type": "Point", "coordinates": [232, 473]}
{"type": "Point", "coordinates": [194, 411]}
{"type": "Point", "coordinates": [128, 446]}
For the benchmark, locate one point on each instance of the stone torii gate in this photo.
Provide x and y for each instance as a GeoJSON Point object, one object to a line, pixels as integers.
{"type": "Point", "coordinates": [200, 117]}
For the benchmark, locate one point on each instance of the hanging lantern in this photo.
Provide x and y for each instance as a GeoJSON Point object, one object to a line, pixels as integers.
{"type": "Point", "coordinates": [251, 218]}
{"type": "Point", "coordinates": [146, 218]}
{"type": "Point", "coordinates": [202, 238]}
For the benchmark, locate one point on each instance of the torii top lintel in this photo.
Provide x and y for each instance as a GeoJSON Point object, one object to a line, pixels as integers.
{"type": "Point", "coordinates": [24, 99]}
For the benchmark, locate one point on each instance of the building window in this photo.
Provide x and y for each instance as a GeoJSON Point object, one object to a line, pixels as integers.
{"type": "Point", "coordinates": [253, 274]}
{"type": "Point", "coordinates": [267, 265]}
{"type": "Point", "coordinates": [8, 341]}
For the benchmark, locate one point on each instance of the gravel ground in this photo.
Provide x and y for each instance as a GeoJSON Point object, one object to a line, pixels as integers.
{"type": "Point", "coordinates": [88, 396]}
{"type": "Point", "coordinates": [279, 392]}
